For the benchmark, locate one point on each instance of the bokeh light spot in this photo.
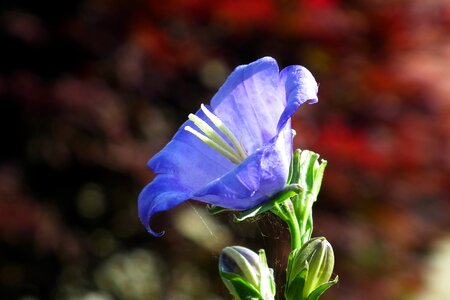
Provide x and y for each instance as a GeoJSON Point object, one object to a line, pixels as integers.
{"type": "Point", "coordinates": [91, 201]}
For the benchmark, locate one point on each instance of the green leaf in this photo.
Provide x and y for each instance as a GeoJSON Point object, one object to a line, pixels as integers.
{"type": "Point", "coordinates": [288, 192]}
{"type": "Point", "coordinates": [314, 295]}
{"type": "Point", "coordinates": [243, 288]}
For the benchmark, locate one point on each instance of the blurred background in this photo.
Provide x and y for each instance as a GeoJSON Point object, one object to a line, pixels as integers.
{"type": "Point", "coordinates": [90, 90]}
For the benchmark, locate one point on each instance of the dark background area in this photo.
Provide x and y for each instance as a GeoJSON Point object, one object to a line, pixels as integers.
{"type": "Point", "coordinates": [90, 90]}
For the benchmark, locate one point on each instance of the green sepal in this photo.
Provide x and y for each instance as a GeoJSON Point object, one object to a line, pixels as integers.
{"type": "Point", "coordinates": [288, 192]}
{"type": "Point", "coordinates": [321, 289]}
{"type": "Point", "coordinates": [242, 288]}
{"type": "Point", "coordinates": [267, 285]}
{"type": "Point", "coordinates": [294, 170]}
{"type": "Point", "coordinates": [214, 209]}
{"type": "Point", "coordinates": [309, 270]}
{"type": "Point", "coordinates": [294, 290]}
{"type": "Point", "coordinates": [318, 176]}
{"type": "Point", "coordinates": [307, 170]}
{"type": "Point", "coordinates": [290, 263]}
{"type": "Point", "coordinates": [300, 257]}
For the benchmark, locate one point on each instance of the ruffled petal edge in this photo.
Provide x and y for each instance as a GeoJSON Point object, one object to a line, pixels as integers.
{"type": "Point", "coordinates": [301, 87]}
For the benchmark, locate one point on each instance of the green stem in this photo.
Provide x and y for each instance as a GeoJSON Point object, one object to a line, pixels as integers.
{"type": "Point", "coordinates": [296, 237]}
{"type": "Point", "coordinates": [285, 212]}
{"type": "Point", "coordinates": [276, 209]}
{"type": "Point", "coordinates": [306, 218]}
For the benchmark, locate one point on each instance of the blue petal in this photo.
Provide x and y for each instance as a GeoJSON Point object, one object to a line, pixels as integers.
{"type": "Point", "coordinates": [259, 177]}
{"type": "Point", "coordinates": [251, 101]}
{"type": "Point", "coordinates": [300, 87]}
{"type": "Point", "coordinates": [191, 161]}
{"type": "Point", "coordinates": [240, 183]}
{"type": "Point", "coordinates": [184, 165]}
{"type": "Point", "coordinates": [163, 193]}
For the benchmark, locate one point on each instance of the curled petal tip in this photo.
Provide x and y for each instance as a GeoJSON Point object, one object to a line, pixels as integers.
{"type": "Point", "coordinates": [162, 194]}
{"type": "Point", "coordinates": [156, 234]}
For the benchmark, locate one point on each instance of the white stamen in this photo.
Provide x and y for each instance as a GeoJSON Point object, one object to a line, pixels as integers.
{"type": "Point", "coordinates": [221, 126]}
{"type": "Point", "coordinates": [209, 132]}
{"type": "Point", "coordinates": [230, 155]}
{"type": "Point", "coordinates": [235, 153]}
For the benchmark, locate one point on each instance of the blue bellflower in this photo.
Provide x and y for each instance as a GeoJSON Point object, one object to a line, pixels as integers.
{"type": "Point", "coordinates": [236, 152]}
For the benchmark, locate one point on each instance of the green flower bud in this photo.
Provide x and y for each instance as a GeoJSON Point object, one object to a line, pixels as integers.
{"type": "Point", "coordinates": [310, 269]}
{"type": "Point", "coordinates": [246, 274]}
{"type": "Point", "coordinates": [307, 171]}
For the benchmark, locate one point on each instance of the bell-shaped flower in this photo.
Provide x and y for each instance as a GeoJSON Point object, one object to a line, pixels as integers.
{"type": "Point", "coordinates": [236, 152]}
